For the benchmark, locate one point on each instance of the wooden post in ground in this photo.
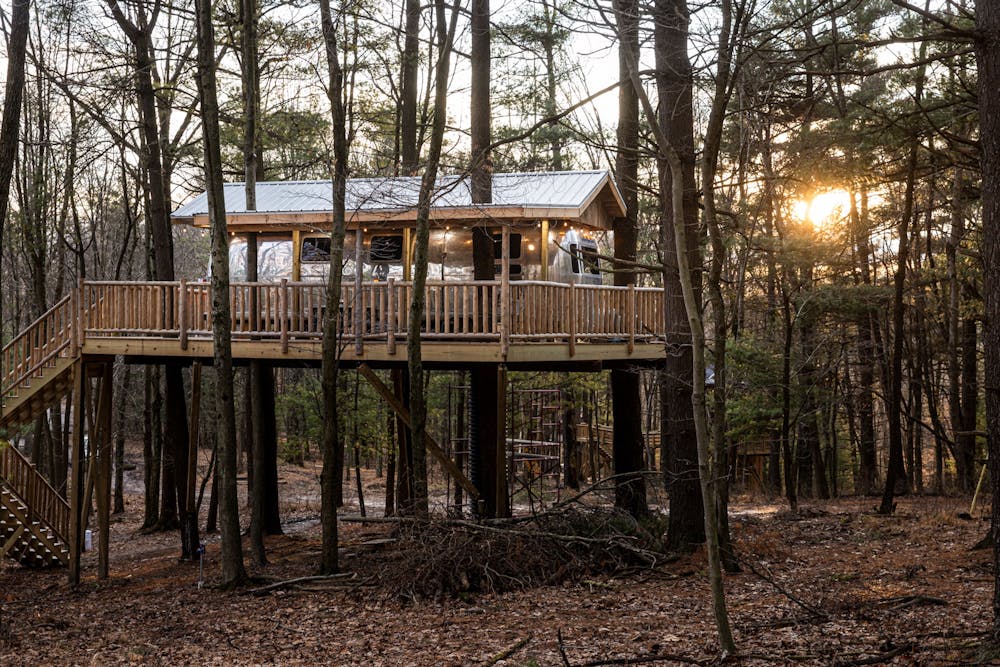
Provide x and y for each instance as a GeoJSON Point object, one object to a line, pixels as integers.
{"type": "Point", "coordinates": [505, 297]}
{"type": "Point", "coordinates": [502, 497]}
{"type": "Point", "coordinates": [103, 486]}
{"type": "Point", "coordinates": [76, 472]}
{"type": "Point", "coordinates": [359, 300]}
{"type": "Point", "coordinates": [192, 462]}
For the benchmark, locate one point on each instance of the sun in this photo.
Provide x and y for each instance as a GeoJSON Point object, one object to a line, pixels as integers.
{"type": "Point", "coordinates": [824, 208]}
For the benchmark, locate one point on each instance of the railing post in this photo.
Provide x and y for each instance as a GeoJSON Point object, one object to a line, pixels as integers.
{"type": "Point", "coordinates": [390, 326]}
{"type": "Point", "coordinates": [283, 314]}
{"type": "Point", "coordinates": [572, 319]}
{"type": "Point", "coordinates": [182, 323]}
{"type": "Point", "coordinates": [505, 297]}
{"type": "Point", "coordinates": [81, 317]}
{"type": "Point", "coordinates": [630, 317]}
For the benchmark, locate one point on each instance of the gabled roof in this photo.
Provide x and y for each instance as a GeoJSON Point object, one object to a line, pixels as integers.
{"type": "Point", "coordinates": [588, 197]}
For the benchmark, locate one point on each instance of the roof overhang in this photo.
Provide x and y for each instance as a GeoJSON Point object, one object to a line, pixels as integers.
{"type": "Point", "coordinates": [597, 208]}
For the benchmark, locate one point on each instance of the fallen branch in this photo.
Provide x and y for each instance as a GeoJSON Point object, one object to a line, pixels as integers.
{"type": "Point", "coordinates": [264, 590]}
{"type": "Point", "coordinates": [562, 648]}
{"type": "Point", "coordinates": [514, 648]}
{"type": "Point", "coordinates": [781, 589]}
{"type": "Point", "coordinates": [911, 601]}
{"type": "Point", "coordinates": [657, 657]}
{"type": "Point", "coordinates": [876, 659]}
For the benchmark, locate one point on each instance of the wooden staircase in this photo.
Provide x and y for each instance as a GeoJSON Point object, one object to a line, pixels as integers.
{"type": "Point", "coordinates": [37, 371]}
{"type": "Point", "coordinates": [37, 366]}
{"type": "Point", "coordinates": [34, 518]}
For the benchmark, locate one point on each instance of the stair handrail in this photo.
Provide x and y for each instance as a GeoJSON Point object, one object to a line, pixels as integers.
{"type": "Point", "coordinates": [42, 500]}
{"type": "Point", "coordinates": [14, 372]}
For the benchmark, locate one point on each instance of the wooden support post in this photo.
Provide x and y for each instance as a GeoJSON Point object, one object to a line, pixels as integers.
{"type": "Point", "coordinates": [81, 303]}
{"type": "Point", "coordinates": [359, 300]}
{"type": "Point", "coordinates": [75, 324]}
{"type": "Point", "coordinates": [505, 297]}
{"type": "Point", "coordinates": [12, 540]}
{"type": "Point", "coordinates": [296, 255]}
{"type": "Point", "coordinates": [193, 431]}
{"type": "Point", "coordinates": [630, 318]}
{"type": "Point", "coordinates": [252, 277]}
{"type": "Point", "coordinates": [543, 249]}
{"type": "Point", "coordinates": [407, 254]}
{"type": "Point", "coordinates": [572, 319]}
{"type": "Point", "coordinates": [296, 306]}
{"type": "Point", "coordinates": [103, 487]}
{"type": "Point", "coordinates": [502, 499]}
{"type": "Point", "coordinates": [390, 339]}
{"type": "Point", "coordinates": [283, 314]}
{"type": "Point", "coordinates": [182, 319]}
{"type": "Point", "coordinates": [429, 442]}
{"type": "Point", "coordinates": [76, 473]}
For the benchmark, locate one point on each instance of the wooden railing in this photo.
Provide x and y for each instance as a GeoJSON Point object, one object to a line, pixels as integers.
{"type": "Point", "coordinates": [455, 310]}
{"type": "Point", "coordinates": [50, 337]}
{"type": "Point", "coordinates": [42, 501]}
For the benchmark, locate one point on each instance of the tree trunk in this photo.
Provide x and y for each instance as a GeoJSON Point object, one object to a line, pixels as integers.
{"type": "Point", "coordinates": [409, 83]}
{"type": "Point", "coordinates": [486, 426]}
{"type": "Point", "coordinates": [11, 123]}
{"type": "Point", "coordinates": [988, 60]}
{"type": "Point", "coordinates": [418, 404]}
{"type": "Point", "coordinates": [123, 386]}
{"type": "Point", "coordinates": [233, 572]}
{"type": "Point", "coordinates": [678, 443]}
{"type": "Point", "coordinates": [627, 446]}
{"type": "Point", "coordinates": [332, 445]}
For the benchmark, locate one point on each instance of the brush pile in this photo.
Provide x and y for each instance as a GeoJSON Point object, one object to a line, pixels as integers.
{"type": "Point", "coordinates": [441, 558]}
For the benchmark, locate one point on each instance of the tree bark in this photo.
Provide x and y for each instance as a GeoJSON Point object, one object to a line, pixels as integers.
{"type": "Point", "coordinates": [627, 446]}
{"type": "Point", "coordinates": [10, 125]}
{"type": "Point", "coordinates": [233, 572]}
{"type": "Point", "coordinates": [988, 60]}
{"type": "Point", "coordinates": [418, 403]}
{"type": "Point", "coordinates": [486, 426]}
{"type": "Point", "coordinates": [332, 444]}
{"type": "Point", "coordinates": [678, 443]}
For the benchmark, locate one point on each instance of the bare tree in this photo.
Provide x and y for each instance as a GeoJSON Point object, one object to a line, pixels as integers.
{"type": "Point", "coordinates": [988, 60]}
{"type": "Point", "coordinates": [418, 402]}
{"type": "Point", "coordinates": [331, 445]}
{"type": "Point", "coordinates": [233, 572]}
{"type": "Point", "coordinates": [10, 125]}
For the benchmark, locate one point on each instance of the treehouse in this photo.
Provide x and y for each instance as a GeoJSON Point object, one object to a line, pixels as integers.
{"type": "Point", "coordinates": [547, 303]}
{"type": "Point", "coordinates": [547, 307]}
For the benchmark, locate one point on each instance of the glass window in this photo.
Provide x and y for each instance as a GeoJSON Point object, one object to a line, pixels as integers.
{"type": "Point", "coordinates": [386, 249]}
{"type": "Point", "coordinates": [591, 262]}
{"type": "Point", "coordinates": [316, 249]}
{"type": "Point", "coordinates": [515, 246]}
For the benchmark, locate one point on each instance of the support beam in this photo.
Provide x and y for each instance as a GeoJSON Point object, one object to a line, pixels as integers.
{"type": "Point", "coordinates": [407, 254]}
{"type": "Point", "coordinates": [103, 487]}
{"type": "Point", "coordinates": [76, 473]}
{"type": "Point", "coordinates": [429, 442]}
{"type": "Point", "coordinates": [192, 462]}
{"type": "Point", "coordinates": [359, 301]}
{"type": "Point", "coordinates": [543, 249]}
{"type": "Point", "coordinates": [502, 498]}
{"type": "Point", "coordinates": [12, 540]}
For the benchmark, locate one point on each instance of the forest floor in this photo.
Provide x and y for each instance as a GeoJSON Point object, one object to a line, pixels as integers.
{"type": "Point", "coordinates": [833, 585]}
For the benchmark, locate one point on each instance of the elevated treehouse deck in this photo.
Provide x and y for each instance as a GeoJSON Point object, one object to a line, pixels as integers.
{"type": "Point", "coordinates": [530, 324]}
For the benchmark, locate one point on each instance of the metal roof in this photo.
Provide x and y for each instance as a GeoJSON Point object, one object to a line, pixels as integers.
{"type": "Point", "coordinates": [541, 190]}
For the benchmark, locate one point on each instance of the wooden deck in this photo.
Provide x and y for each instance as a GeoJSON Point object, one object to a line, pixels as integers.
{"type": "Point", "coordinates": [531, 324]}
